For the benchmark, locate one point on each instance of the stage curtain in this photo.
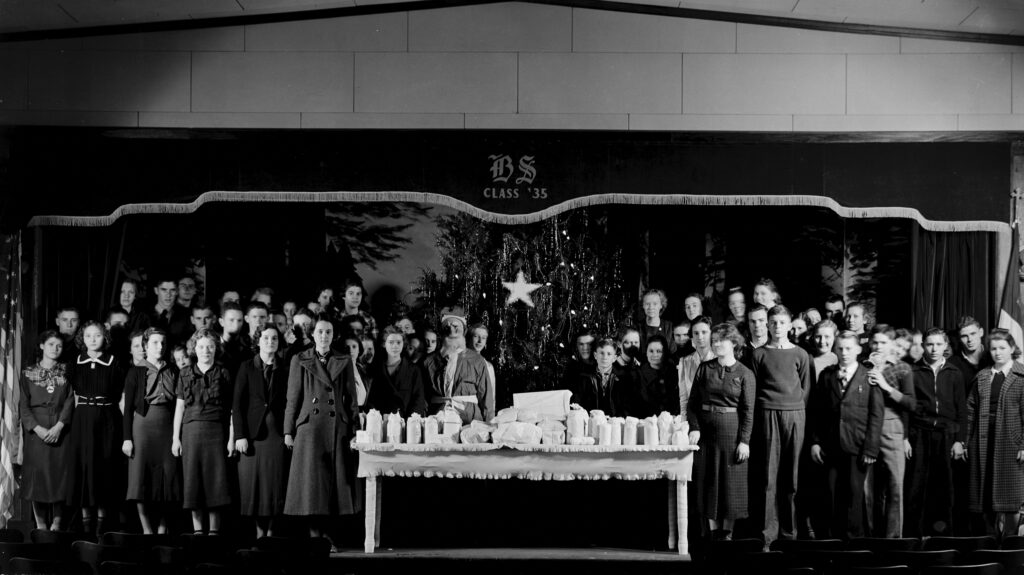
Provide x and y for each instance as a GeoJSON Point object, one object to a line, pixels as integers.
{"type": "Point", "coordinates": [951, 277]}
{"type": "Point", "coordinates": [10, 369]}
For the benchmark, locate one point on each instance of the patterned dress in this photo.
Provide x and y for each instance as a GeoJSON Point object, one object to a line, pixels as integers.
{"type": "Point", "coordinates": [46, 398]}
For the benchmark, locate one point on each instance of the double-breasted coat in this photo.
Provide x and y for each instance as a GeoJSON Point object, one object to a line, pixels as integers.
{"type": "Point", "coordinates": [1007, 475]}
{"type": "Point", "coordinates": [322, 417]}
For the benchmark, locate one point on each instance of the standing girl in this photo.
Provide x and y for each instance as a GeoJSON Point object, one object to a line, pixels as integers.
{"type": "Point", "coordinates": [202, 435]}
{"type": "Point", "coordinates": [154, 474]}
{"type": "Point", "coordinates": [46, 405]}
{"type": "Point", "coordinates": [995, 420]}
{"type": "Point", "coordinates": [97, 468]}
{"type": "Point", "coordinates": [721, 412]}
{"type": "Point", "coordinates": [260, 391]}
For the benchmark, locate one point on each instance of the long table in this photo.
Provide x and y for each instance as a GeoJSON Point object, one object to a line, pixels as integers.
{"type": "Point", "coordinates": [532, 462]}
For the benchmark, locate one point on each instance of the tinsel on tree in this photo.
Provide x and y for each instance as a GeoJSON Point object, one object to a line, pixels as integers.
{"type": "Point", "coordinates": [576, 260]}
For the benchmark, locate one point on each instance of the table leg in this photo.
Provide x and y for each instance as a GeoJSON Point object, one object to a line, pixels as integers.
{"type": "Point", "coordinates": [376, 526]}
{"type": "Point", "coordinates": [672, 515]}
{"type": "Point", "coordinates": [682, 519]}
{"type": "Point", "coordinates": [370, 525]}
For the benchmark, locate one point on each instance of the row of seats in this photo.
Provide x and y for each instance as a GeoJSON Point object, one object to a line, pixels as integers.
{"type": "Point", "coordinates": [126, 554]}
{"type": "Point", "coordinates": [966, 556]}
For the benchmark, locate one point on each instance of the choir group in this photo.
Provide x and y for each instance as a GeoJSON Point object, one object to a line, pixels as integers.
{"type": "Point", "coordinates": [252, 407]}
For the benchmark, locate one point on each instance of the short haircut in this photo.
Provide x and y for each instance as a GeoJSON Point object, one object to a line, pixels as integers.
{"type": "Point", "coordinates": [854, 304]}
{"type": "Point", "coordinates": [768, 283]}
{"type": "Point", "coordinates": [116, 309]}
{"type": "Point", "coordinates": [272, 327]}
{"type": "Point", "coordinates": [885, 329]}
{"type": "Point", "coordinates": [205, 334]}
{"type": "Point", "coordinates": [937, 331]}
{"type": "Point", "coordinates": [661, 295]}
{"type": "Point", "coordinates": [836, 298]}
{"type": "Point", "coordinates": [230, 306]}
{"type": "Point", "coordinates": [701, 319]}
{"type": "Point", "coordinates": [657, 338]}
{"type": "Point", "coordinates": [826, 324]}
{"type": "Point", "coordinates": [80, 336]}
{"type": "Point", "coordinates": [303, 311]}
{"type": "Point", "coordinates": [353, 282]}
{"type": "Point", "coordinates": [150, 332]}
{"type": "Point", "coordinates": [359, 342]}
{"type": "Point", "coordinates": [69, 308]}
{"type": "Point", "coordinates": [606, 342]}
{"type": "Point", "coordinates": [477, 326]}
{"type": "Point", "coordinates": [627, 331]}
{"type": "Point", "coordinates": [135, 283]}
{"type": "Point", "coordinates": [206, 307]}
{"type": "Point", "coordinates": [967, 321]}
{"type": "Point", "coordinates": [393, 330]}
{"type": "Point", "coordinates": [848, 334]}
{"type": "Point", "coordinates": [756, 308]}
{"type": "Point", "coordinates": [347, 320]}
{"type": "Point", "coordinates": [778, 310]}
{"type": "Point", "coordinates": [262, 291]}
{"type": "Point", "coordinates": [682, 323]}
{"type": "Point", "coordinates": [1000, 334]}
{"type": "Point", "coordinates": [728, 331]}
{"type": "Point", "coordinates": [256, 305]}
{"type": "Point", "coordinates": [583, 333]}
{"type": "Point", "coordinates": [164, 278]}
{"type": "Point", "coordinates": [180, 347]}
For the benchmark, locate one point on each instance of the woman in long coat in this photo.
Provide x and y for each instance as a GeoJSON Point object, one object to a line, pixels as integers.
{"type": "Point", "coordinates": [260, 390]}
{"type": "Point", "coordinates": [46, 406]}
{"type": "Point", "coordinates": [320, 421]}
{"type": "Point", "coordinates": [994, 439]}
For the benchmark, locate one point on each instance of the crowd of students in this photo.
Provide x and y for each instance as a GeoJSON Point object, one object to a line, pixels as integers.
{"type": "Point", "coordinates": [810, 424]}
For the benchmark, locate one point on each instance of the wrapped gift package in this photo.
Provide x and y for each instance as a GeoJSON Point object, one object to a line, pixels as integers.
{"type": "Point", "coordinates": [431, 430]}
{"type": "Point", "coordinates": [414, 429]}
{"type": "Point", "coordinates": [548, 404]}
{"type": "Point", "coordinates": [507, 415]}
{"type": "Point", "coordinates": [451, 426]}
{"type": "Point", "coordinates": [476, 432]}
{"type": "Point", "coordinates": [576, 423]}
{"type": "Point", "coordinates": [518, 432]}
{"type": "Point", "coordinates": [630, 431]}
{"type": "Point", "coordinates": [665, 427]}
{"type": "Point", "coordinates": [650, 426]}
{"type": "Point", "coordinates": [395, 425]}
{"type": "Point", "coordinates": [552, 432]}
{"type": "Point", "coordinates": [597, 417]}
{"type": "Point", "coordinates": [616, 424]}
{"type": "Point", "coordinates": [375, 426]}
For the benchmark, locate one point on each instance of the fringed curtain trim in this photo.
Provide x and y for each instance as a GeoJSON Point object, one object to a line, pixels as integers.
{"type": "Point", "coordinates": [594, 200]}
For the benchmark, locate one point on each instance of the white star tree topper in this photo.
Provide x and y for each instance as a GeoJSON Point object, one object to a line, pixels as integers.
{"type": "Point", "coordinates": [519, 290]}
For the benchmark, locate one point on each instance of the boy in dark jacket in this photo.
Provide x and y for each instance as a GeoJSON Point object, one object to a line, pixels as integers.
{"type": "Point", "coordinates": [938, 428]}
{"type": "Point", "coordinates": [846, 432]}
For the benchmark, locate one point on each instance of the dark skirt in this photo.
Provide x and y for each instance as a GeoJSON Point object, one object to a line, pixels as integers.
{"type": "Point", "coordinates": [44, 472]}
{"type": "Point", "coordinates": [204, 459]}
{"type": "Point", "coordinates": [154, 474]}
{"type": "Point", "coordinates": [98, 468]}
{"type": "Point", "coordinates": [263, 473]}
{"type": "Point", "coordinates": [721, 482]}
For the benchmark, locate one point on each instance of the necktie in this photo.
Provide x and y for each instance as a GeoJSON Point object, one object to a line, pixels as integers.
{"type": "Point", "coordinates": [844, 378]}
{"type": "Point", "coordinates": [449, 374]}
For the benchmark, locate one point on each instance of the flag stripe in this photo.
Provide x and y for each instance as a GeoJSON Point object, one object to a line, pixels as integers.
{"type": "Point", "coordinates": [10, 370]}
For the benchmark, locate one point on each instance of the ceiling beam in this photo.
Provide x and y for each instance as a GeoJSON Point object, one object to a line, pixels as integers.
{"type": "Point", "coordinates": [414, 5]}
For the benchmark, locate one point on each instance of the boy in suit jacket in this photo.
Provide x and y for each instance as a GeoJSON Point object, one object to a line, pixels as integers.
{"type": "Point", "coordinates": [846, 431]}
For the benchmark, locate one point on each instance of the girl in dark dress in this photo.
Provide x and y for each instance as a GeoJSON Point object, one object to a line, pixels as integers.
{"type": "Point", "coordinates": [202, 432]}
{"type": "Point", "coordinates": [154, 474]}
{"type": "Point", "coordinates": [97, 472]}
{"type": "Point", "coordinates": [397, 380]}
{"type": "Point", "coordinates": [46, 405]}
{"type": "Point", "coordinates": [659, 382]}
{"type": "Point", "coordinates": [261, 388]}
{"type": "Point", "coordinates": [721, 416]}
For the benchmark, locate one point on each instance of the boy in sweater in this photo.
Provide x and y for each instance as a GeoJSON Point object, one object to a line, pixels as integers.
{"type": "Point", "coordinates": [784, 375]}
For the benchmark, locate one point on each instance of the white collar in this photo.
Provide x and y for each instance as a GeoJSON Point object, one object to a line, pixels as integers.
{"type": "Point", "coordinates": [85, 360]}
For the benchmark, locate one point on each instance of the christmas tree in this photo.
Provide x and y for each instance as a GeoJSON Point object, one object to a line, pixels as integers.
{"type": "Point", "coordinates": [571, 281]}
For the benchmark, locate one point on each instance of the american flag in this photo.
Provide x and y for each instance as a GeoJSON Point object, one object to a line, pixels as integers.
{"type": "Point", "coordinates": [10, 370]}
